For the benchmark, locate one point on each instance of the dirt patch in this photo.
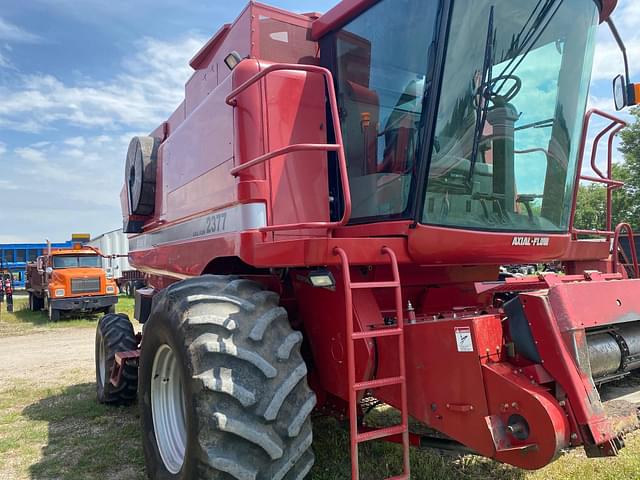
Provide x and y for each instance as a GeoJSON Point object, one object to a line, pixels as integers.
{"type": "Point", "coordinates": [42, 358]}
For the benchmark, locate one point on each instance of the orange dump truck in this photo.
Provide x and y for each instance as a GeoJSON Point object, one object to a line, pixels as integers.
{"type": "Point", "coordinates": [70, 281]}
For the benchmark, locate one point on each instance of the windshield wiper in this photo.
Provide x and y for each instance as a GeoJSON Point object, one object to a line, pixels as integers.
{"type": "Point", "coordinates": [482, 107]}
{"type": "Point", "coordinates": [531, 37]}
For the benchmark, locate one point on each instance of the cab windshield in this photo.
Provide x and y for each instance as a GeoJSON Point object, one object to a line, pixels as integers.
{"type": "Point", "coordinates": [382, 73]}
{"type": "Point", "coordinates": [75, 261]}
{"type": "Point", "coordinates": [509, 121]}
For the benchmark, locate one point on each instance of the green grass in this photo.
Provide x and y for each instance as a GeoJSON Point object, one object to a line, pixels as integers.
{"type": "Point", "coordinates": [61, 432]}
{"type": "Point", "coordinates": [23, 321]}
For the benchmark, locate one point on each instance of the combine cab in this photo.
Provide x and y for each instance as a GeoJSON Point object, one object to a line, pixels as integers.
{"type": "Point", "coordinates": [323, 220]}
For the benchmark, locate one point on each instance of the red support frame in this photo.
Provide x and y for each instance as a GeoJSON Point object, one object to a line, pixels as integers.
{"type": "Point", "coordinates": [337, 147]}
{"type": "Point", "coordinates": [118, 365]}
{"type": "Point", "coordinates": [632, 248]}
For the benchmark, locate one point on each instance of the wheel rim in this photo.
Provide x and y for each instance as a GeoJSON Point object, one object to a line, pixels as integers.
{"type": "Point", "coordinates": [167, 409]}
{"type": "Point", "coordinates": [102, 369]}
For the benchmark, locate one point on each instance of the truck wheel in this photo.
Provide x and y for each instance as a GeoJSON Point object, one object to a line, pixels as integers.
{"type": "Point", "coordinates": [32, 305]}
{"type": "Point", "coordinates": [115, 334]}
{"type": "Point", "coordinates": [223, 389]}
{"type": "Point", "coordinates": [54, 314]}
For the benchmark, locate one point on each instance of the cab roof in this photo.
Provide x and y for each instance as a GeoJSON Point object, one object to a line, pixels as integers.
{"type": "Point", "coordinates": [344, 11]}
{"type": "Point", "coordinates": [72, 251]}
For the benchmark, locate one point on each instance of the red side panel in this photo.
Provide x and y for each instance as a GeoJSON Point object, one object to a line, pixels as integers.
{"type": "Point", "coordinates": [299, 181]}
{"type": "Point", "coordinates": [322, 311]}
{"type": "Point", "coordinates": [460, 385]}
{"type": "Point", "coordinates": [450, 246]}
{"type": "Point", "coordinates": [197, 158]}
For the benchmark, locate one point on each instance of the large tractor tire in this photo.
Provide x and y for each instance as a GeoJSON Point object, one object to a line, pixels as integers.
{"type": "Point", "coordinates": [115, 334]}
{"type": "Point", "coordinates": [140, 174]}
{"type": "Point", "coordinates": [223, 390]}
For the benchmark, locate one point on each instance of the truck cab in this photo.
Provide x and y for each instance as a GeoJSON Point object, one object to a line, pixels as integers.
{"type": "Point", "coordinates": [70, 280]}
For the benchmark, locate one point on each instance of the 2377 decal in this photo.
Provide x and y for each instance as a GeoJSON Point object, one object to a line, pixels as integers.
{"type": "Point", "coordinates": [212, 224]}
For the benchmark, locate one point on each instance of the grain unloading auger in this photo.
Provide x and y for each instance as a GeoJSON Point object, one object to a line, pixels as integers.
{"type": "Point", "coordinates": [322, 221]}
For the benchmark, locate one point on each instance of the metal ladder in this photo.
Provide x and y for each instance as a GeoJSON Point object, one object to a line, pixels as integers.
{"type": "Point", "coordinates": [356, 437]}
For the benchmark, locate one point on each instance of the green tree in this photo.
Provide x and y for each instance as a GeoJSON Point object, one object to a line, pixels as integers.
{"type": "Point", "coordinates": [590, 210]}
{"type": "Point", "coordinates": [629, 172]}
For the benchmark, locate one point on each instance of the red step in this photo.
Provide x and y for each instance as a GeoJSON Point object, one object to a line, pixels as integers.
{"type": "Point", "coordinates": [380, 433]}
{"type": "Point", "coordinates": [382, 332]}
{"type": "Point", "coordinates": [378, 383]}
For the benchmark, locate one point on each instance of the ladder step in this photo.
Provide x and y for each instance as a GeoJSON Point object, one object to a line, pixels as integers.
{"type": "Point", "coordinates": [386, 332]}
{"type": "Point", "coordinates": [380, 433]}
{"type": "Point", "coordinates": [356, 285]}
{"type": "Point", "coordinates": [380, 382]}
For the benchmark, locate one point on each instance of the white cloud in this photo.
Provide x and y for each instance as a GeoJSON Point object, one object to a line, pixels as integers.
{"type": "Point", "coordinates": [76, 141]}
{"type": "Point", "coordinates": [13, 33]}
{"type": "Point", "coordinates": [608, 60]}
{"type": "Point", "coordinates": [30, 155]}
{"type": "Point", "coordinates": [10, 238]}
{"type": "Point", "coordinates": [5, 62]}
{"type": "Point", "coordinates": [81, 173]}
{"type": "Point", "coordinates": [80, 184]}
{"type": "Point", "coordinates": [144, 94]}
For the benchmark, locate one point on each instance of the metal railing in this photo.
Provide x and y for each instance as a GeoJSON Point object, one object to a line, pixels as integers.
{"type": "Point", "coordinates": [614, 127]}
{"type": "Point", "coordinates": [232, 100]}
{"type": "Point", "coordinates": [618, 250]}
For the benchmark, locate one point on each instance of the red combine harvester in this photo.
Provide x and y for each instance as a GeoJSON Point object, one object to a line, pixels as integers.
{"type": "Point", "coordinates": [323, 219]}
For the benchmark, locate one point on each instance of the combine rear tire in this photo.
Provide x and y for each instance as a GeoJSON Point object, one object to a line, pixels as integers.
{"type": "Point", "coordinates": [115, 334]}
{"type": "Point", "coordinates": [223, 390]}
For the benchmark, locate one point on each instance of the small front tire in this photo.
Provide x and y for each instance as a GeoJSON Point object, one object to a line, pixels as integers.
{"type": "Point", "coordinates": [115, 334]}
{"type": "Point", "coordinates": [54, 313]}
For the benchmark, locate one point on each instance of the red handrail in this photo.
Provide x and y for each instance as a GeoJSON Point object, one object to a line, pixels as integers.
{"type": "Point", "coordinates": [632, 248]}
{"type": "Point", "coordinates": [612, 129]}
{"type": "Point", "coordinates": [337, 147]}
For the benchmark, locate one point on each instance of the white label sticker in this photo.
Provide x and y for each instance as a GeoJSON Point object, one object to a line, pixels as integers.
{"type": "Point", "coordinates": [463, 339]}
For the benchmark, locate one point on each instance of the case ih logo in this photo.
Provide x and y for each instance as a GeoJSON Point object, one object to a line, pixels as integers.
{"type": "Point", "coordinates": [530, 242]}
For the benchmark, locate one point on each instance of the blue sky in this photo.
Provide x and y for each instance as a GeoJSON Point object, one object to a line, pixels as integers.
{"type": "Point", "coordinates": [78, 78]}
